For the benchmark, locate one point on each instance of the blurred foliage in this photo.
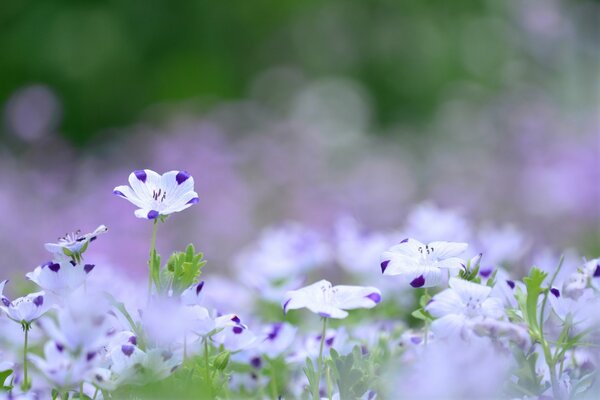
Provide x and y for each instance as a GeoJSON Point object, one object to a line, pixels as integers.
{"type": "Point", "coordinates": [110, 60]}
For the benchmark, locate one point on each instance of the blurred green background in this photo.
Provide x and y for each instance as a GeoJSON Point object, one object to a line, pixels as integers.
{"type": "Point", "coordinates": [108, 61]}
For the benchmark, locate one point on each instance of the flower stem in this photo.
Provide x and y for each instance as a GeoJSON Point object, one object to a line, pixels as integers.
{"type": "Point", "coordinates": [207, 369]}
{"type": "Point", "coordinates": [26, 327]}
{"type": "Point", "coordinates": [320, 360]}
{"type": "Point", "coordinates": [152, 251]}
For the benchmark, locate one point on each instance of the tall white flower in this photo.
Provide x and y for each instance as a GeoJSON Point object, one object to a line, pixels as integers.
{"type": "Point", "coordinates": [330, 301]}
{"type": "Point", "coordinates": [24, 309]}
{"type": "Point", "coordinates": [60, 277]}
{"type": "Point", "coordinates": [158, 195]}
{"type": "Point", "coordinates": [422, 265]}
{"type": "Point", "coordinates": [461, 305]}
{"type": "Point", "coordinates": [74, 244]}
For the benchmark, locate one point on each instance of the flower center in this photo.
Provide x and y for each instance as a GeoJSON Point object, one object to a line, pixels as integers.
{"type": "Point", "coordinates": [159, 195]}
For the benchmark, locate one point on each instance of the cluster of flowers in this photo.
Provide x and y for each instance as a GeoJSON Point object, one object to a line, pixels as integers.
{"type": "Point", "coordinates": [474, 329]}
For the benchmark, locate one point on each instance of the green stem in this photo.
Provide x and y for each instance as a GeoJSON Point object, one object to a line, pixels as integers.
{"type": "Point", "coordinates": [320, 360]}
{"type": "Point", "coordinates": [207, 369]}
{"type": "Point", "coordinates": [81, 390]}
{"type": "Point", "coordinates": [550, 361]}
{"type": "Point", "coordinates": [152, 251]}
{"type": "Point", "coordinates": [273, 384]}
{"type": "Point", "coordinates": [426, 328]}
{"type": "Point", "coordinates": [26, 327]}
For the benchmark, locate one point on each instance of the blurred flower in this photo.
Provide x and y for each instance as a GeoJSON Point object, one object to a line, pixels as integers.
{"type": "Point", "coordinates": [422, 265]}
{"type": "Point", "coordinates": [330, 301]}
{"type": "Point", "coordinates": [234, 335]}
{"type": "Point", "coordinates": [278, 337]}
{"type": "Point", "coordinates": [458, 306]}
{"type": "Point", "coordinates": [358, 251]}
{"type": "Point", "coordinates": [24, 309]}
{"type": "Point", "coordinates": [158, 195]}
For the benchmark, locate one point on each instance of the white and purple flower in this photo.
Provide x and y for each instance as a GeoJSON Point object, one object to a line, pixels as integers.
{"type": "Point", "coordinates": [423, 265]}
{"type": "Point", "coordinates": [24, 309]}
{"type": "Point", "coordinates": [60, 277]}
{"type": "Point", "coordinates": [331, 301]}
{"type": "Point", "coordinates": [74, 244]}
{"type": "Point", "coordinates": [158, 195]}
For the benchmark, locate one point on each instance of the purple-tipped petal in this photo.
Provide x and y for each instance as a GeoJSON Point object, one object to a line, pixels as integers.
{"type": "Point", "coordinates": [237, 330]}
{"type": "Point", "coordinates": [132, 340]}
{"type": "Point", "coordinates": [73, 263]}
{"type": "Point", "coordinates": [59, 347]}
{"type": "Point", "coordinates": [236, 319]}
{"type": "Point", "coordinates": [485, 272]}
{"type": "Point", "coordinates": [199, 288]}
{"type": "Point", "coordinates": [376, 297]}
{"type": "Point", "coordinates": [256, 362]}
{"type": "Point", "coordinates": [88, 268]}
{"type": "Point", "coordinates": [329, 342]}
{"type": "Point", "coordinates": [152, 214]}
{"type": "Point", "coordinates": [141, 175]}
{"type": "Point", "coordinates": [384, 265]}
{"type": "Point", "coordinates": [127, 350]}
{"type": "Point", "coordinates": [54, 267]}
{"type": "Point", "coordinates": [38, 301]}
{"type": "Point", "coordinates": [193, 201]}
{"type": "Point", "coordinates": [90, 356]}
{"type": "Point", "coordinates": [182, 176]}
{"type": "Point", "coordinates": [119, 193]}
{"type": "Point", "coordinates": [418, 282]}
{"type": "Point", "coordinates": [325, 315]}
{"type": "Point", "coordinates": [276, 328]}
{"type": "Point", "coordinates": [597, 271]}
{"type": "Point", "coordinates": [285, 305]}
{"type": "Point", "coordinates": [415, 339]}
{"type": "Point", "coordinates": [511, 284]}
{"type": "Point", "coordinates": [404, 241]}
{"type": "Point", "coordinates": [555, 292]}
{"type": "Point", "coordinates": [5, 301]}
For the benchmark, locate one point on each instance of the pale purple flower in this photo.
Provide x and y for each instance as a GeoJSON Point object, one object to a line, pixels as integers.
{"type": "Point", "coordinates": [457, 307]}
{"type": "Point", "coordinates": [65, 369]}
{"type": "Point", "coordinates": [74, 244]}
{"type": "Point", "coordinates": [158, 195]}
{"type": "Point", "coordinates": [277, 339]}
{"type": "Point", "coordinates": [279, 257]}
{"type": "Point", "coordinates": [429, 222]}
{"type": "Point", "coordinates": [331, 301]}
{"type": "Point", "coordinates": [24, 309]}
{"type": "Point", "coordinates": [357, 251]}
{"type": "Point", "coordinates": [423, 265]}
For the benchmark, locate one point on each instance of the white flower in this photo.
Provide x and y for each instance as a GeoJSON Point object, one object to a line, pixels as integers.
{"type": "Point", "coordinates": [457, 307]}
{"type": "Point", "coordinates": [74, 244]}
{"type": "Point", "coordinates": [60, 277]}
{"type": "Point", "coordinates": [331, 301]}
{"type": "Point", "coordinates": [234, 336]}
{"type": "Point", "coordinates": [24, 309]}
{"type": "Point", "coordinates": [158, 195]}
{"type": "Point", "coordinates": [422, 265]}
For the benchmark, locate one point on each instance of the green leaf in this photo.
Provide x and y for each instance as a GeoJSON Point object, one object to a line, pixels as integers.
{"type": "Point", "coordinates": [3, 376]}
{"type": "Point", "coordinates": [533, 283]}
{"type": "Point", "coordinates": [422, 315]}
{"type": "Point", "coordinates": [221, 360]}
